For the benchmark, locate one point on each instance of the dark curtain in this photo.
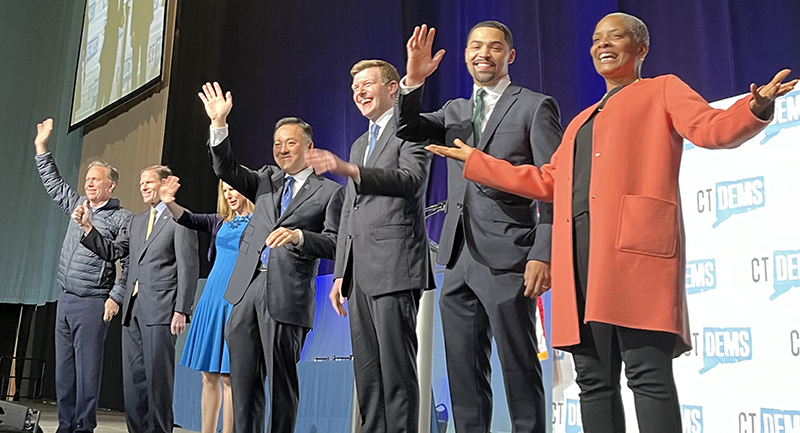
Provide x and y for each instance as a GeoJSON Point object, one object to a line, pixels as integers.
{"type": "Point", "coordinates": [39, 44]}
{"type": "Point", "coordinates": [293, 58]}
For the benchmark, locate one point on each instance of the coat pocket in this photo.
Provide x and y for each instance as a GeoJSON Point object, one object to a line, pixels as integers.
{"type": "Point", "coordinates": [647, 225]}
{"type": "Point", "coordinates": [393, 232]}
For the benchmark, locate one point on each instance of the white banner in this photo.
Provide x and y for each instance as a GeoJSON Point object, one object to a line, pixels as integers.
{"type": "Point", "coordinates": [741, 210]}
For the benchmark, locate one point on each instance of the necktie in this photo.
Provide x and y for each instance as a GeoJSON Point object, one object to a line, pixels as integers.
{"type": "Point", "coordinates": [286, 198]}
{"type": "Point", "coordinates": [478, 114]}
{"type": "Point", "coordinates": [150, 223]}
{"type": "Point", "coordinates": [287, 193]}
{"type": "Point", "coordinates": [374, 129]}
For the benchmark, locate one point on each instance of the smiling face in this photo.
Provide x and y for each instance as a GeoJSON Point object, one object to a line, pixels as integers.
{"type": "Point", "coordinates": [98, 185]}
{"type": "Point", "coordinates": [371, 95]}
{"type": "Point", "coordinates": [616, 54]}
{"type": "Point", "coordinates": [149, 183]}
{"type": "Point", "coordinates": [488, 55]}
{"type": "Point", "coordinates": [289, 148]}
{"type": "Point", "coordinates": [236, 201]}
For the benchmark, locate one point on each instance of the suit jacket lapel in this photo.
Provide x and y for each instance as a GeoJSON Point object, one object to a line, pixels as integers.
{"type": "Point", "coordinates": [278, 179]}
{"type": "Point", "coordinates": [359, 150]}
{"type": "Point", "coordinates": [380, 145]}
{"type": "Point", "coordinates": [466, 114]}
{"type": "Point", "coordinates": [505, 102]}
{"type": "Point", "coordinates": [157, 226]}
{"type": "Point", "coordinates": [311, 185]}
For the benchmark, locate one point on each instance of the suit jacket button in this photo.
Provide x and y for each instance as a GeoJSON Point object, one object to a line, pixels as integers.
{"type": "Point", "coordinates": [349, 236]}
{"type": "Point", "coordinates": [355, 207]}
{"type": "Point", "coordinates": [459, 205]}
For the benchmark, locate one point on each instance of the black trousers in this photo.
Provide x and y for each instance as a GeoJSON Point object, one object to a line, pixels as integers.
{"type": "Point", "coordinates": [476, 304]}
{"type": "Point", "coordinates": [262, 348]}
{"type": "Point", "coordinates": [383, 332]}
{"type": "Point", "coordinates": [80, 336]}
{"type": "Point", "coordinates": [599, 356]}
{"type": "Point", "coordinates": [148, 374]}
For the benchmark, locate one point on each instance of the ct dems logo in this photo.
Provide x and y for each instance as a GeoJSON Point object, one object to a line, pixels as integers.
{"type": "Point", "coordinates": [692, 419]}
{"type": "Point", "coordinates": [738, 196]}
{"type": "Point", "coordinates": [701, 275]}
{"type": "Point", "coordinates": [574, 423]}
{"type": "Point", "coordinates": [787, 115]}
{"type": "Point", "coordinates": [779, 421]}
{"type": "Point", "coordinates": [786, 272]}
{"type": "Point", "coordinates": [726, 346]}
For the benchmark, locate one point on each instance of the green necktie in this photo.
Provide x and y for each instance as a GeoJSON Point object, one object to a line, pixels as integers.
{"type": "Point", "coordinates": [476, 116]}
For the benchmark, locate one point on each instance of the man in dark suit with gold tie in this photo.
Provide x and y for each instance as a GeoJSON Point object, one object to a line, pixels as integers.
{"type": "Point", "coordinates": [164, 267]}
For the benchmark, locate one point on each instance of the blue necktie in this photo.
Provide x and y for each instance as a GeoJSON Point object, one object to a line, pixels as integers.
{"type": "Point", "coordinates": [374, 129]}
{"type": "Point", "coordinates": [286, 198]}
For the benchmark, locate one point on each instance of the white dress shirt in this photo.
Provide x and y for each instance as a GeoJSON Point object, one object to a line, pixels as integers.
{"type": "Point", "coordinates": [490, 99]}
{"type": "Point", "coordinates": [383, 120]}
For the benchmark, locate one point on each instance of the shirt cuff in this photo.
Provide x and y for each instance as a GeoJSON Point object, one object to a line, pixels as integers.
{"type": "Point", "coordinates": [405, 90]}
{"type": "Point", "coordinates": [299, 245]}
{"type": "Point", "coordinates": [218, 135]}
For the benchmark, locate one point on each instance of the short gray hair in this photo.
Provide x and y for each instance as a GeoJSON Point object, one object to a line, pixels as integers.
{"type": "Point", "coordinates": [308, 134]}
{"type": "Point", "coordinates": [111, 171]}
{"type": "Point", "coordinates": [635, 25]}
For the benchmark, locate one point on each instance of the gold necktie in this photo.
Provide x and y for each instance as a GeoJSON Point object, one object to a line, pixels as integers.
{"type": "Point", "coordinates": [150, 223]}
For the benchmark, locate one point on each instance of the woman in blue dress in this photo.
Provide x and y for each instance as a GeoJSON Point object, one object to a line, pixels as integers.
{"type": "Point", "coordinates": [205, 349]}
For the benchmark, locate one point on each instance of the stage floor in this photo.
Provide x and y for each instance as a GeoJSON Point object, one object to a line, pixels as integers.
{"type": "Point", "coordinates": [108, 421]}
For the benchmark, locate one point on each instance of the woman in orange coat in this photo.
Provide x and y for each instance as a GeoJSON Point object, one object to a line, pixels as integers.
{"type": "Point", "coordinates": [619, 282]}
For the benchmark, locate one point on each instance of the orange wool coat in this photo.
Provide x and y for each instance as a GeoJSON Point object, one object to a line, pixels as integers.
{"type": "Point", "coordinates": [636, 244]}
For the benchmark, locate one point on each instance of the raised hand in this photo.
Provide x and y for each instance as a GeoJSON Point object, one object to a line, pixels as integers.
{"type": "Point", "coordinates": [169, 187]}
{"type": "Point", "coordinates": [81, 216]}
{"type": "Point", "coordinates": [43, 131]}
{"type": "Point", "coordinates": [217, 104]}
{"type": "Point", "coordinates": [764, 96]}
{"type": "Point", "coordinates": [420, 64]}
{"type": "Point", "coordinates": [461, 152]}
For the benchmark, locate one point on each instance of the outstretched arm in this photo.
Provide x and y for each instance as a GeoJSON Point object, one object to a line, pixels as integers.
{"type": "Point", "coordinates": [713, 128]}
{"type": "Point", "coordinates": [523, 180]}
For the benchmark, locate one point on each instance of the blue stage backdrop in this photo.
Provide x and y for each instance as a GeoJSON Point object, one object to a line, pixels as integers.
{"type": "Point", "coordinates": [293, 58]}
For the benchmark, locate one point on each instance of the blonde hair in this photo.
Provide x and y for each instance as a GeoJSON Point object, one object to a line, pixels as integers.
{"type": "Point", "coordinates": [224, 209]}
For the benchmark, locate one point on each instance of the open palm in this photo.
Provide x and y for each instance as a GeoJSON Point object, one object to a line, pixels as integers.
{"type": "Point", "coordinates": [217, 104]}
{"type": "Point", "coordinates": [420, 63]}
{"type": "Point", "coordinates": [169, 187]}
